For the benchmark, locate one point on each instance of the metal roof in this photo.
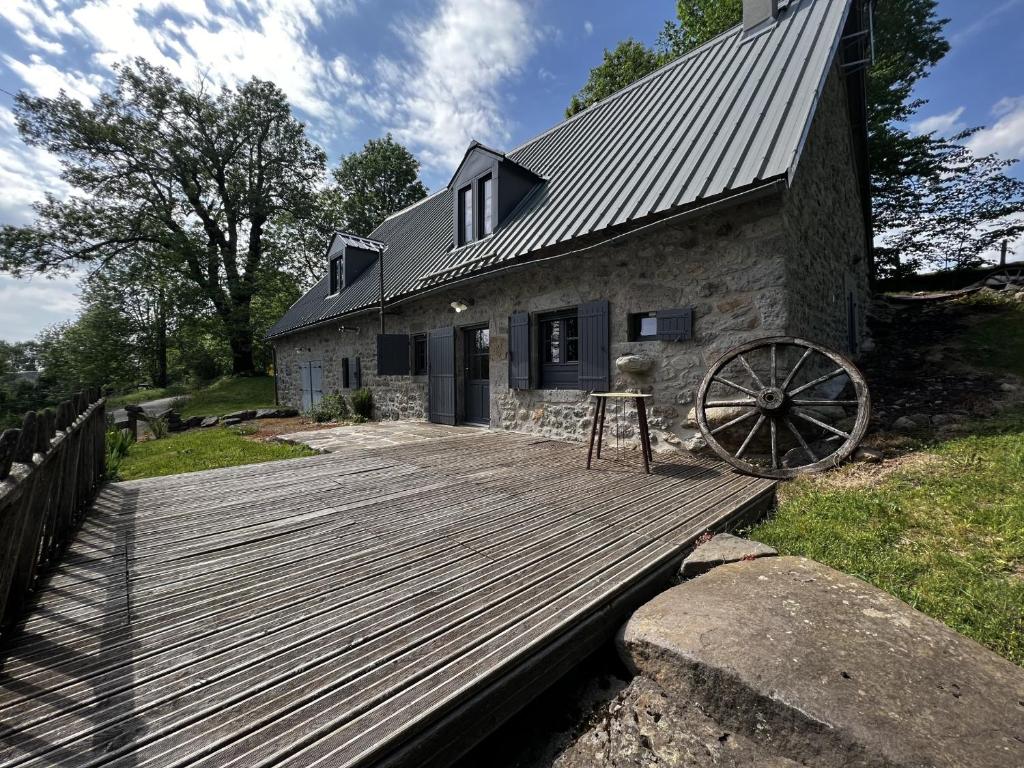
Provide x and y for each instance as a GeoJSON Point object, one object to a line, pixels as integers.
{"type": "Point", "coordinates": [355, 241]}
{"type": "Point", "coordinates": [726, 117]}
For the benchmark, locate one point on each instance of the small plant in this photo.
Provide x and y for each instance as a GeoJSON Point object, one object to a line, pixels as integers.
{"type": "Point", "coordinates": [362, 403]}
{"type": "Point", "coordinates": [158, 427]}
{"type": "Point", "coordinates": [332, 407]}
{"type": "Point", "coordinates": [118, 443]}
{"type": "Point", "coordinates": [244, 430]}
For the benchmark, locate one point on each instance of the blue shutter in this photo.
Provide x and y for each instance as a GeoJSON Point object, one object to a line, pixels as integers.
{"type": "Point", "coordinates": [441, 379]}
{"type": "Point", "coordinates": [345, 382]}
{"type": "Point", "coordinates": [392, 354]}
{"type": "Point", "coordinates": [594, 347]}
{"type": "Point", "coordinates": [675, 324]}
{"type": "Point", "coordinates": [519, 351]}
{"type": "Point", "coordinates": [357, 373]}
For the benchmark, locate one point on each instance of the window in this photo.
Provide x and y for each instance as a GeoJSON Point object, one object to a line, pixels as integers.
{"type": "Point", "coordinates": [466, 215]}
{"type": "Point", "coordinates": [419, 354]}
{"type": "Point", "coordinates": [486, 220]}
{"type": "Point", "coordinates": [643, 326]}
{"type": "Point", "coordinates": [337, 274]}
{"type": "Point", "coordinates": [344, 373]}
{"type": "Point", "coordinates": [560, 350]}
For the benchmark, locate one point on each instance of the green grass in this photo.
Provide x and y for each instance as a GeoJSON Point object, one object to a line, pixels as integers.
{"type": "Point", "coordinates": [201, 449]}
{"type": "Point", "coordinates": [145, 395]}
{"type": "Point", "coordinates": [945, 534]}
{"type": "Point", "coordinates": [997, 342]}
{"type": "Point", "coordinates": [231, 394]}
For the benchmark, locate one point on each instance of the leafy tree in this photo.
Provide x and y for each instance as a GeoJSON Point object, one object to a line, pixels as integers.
{"type": "Point", "coordinates": [299, 244]}
{"type": "Point", "coordinates": [187, 176]}
{"type": "Point", "coordinates": [375, 182]}
{"type": "Point", "coordinates": [699, 21]}
{"type": "Point", "coordinates": [627, 63]}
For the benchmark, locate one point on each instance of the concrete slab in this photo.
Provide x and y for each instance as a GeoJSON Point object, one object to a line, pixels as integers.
{"type": "Point", "coordinates": [721, 549]}
{"type": "Point", "coordinates": [825, 669]}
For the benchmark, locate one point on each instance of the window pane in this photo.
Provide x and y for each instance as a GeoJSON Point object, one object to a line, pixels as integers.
{"type": "Point", "coordinates": [552, 341]}
{"type": "Point", "coordinates": [488, 224]}
{"type": "Point", "coordinates": [572, 340]}
{"type": "Point", "coordinates": [648, 326]}
{"type": "Point", "coordinates": [467, 214]}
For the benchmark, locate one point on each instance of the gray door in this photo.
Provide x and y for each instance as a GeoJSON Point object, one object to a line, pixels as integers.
{"type": "Point", "coordinates": [477, 361]}
{"type": "Point", "coordinates": [312, 384]}
{"type": "Point", "coordinates": [441, 375]}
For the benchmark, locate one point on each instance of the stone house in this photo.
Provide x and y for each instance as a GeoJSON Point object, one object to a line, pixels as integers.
{"type": "Point", "coordinates": [721, 199]}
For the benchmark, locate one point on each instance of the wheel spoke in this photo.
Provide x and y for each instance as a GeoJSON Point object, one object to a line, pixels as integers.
{"type": "Point", "coordinates": [822, 424]}
{"type": "Point", "coordinates": [825, 402]}
{"type": "Point", "coordinates": [730, 403]}
{"type": "Point", "coordinates": [799, 363]}
{"type": "Point", "coordinates": [750, 436]}
{"type": "Point", "coordinates": [733, 423]}
{"type": "Point", "coordinates": [735, 386]}
{"type": "Point", "coordinates": [773, 368]}
{"type": "Point", "coordinates": [775, 444]}
{"type": "Point", "coordinates": [800, 439]}
{"type": "Point", "coordinates": [753, 376]}
{"type": "Point", "coordinates": [819, 380]}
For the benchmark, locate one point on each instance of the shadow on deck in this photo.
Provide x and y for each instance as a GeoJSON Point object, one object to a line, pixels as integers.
{"type": "Point", "coordinates": [386, 604]}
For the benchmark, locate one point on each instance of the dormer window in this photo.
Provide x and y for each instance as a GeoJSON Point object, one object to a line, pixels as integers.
{"type": "Point", "coordinates": [466, 215]}
{"type": "Point", "coordinates": [348, 257]}
{"type": "Point", "coordinates": [488, 187]}
{"type": "Point", "coordinates": [337, 273]}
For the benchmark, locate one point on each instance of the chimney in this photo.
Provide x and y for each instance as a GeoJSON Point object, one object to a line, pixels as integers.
{"type": "Point", "coordinates": [759, 13]}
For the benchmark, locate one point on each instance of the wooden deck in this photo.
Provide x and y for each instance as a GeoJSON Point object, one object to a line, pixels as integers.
{"type": "Point", "coordinates": [373, 606]}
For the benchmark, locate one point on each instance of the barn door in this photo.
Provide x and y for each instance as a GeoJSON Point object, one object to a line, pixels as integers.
{"type": "Point", "coordinates": [312, 384]}
{"type": "Point", "coordinates": [441, 375]}
{"type": "Point", "coordinates": [307, 402]}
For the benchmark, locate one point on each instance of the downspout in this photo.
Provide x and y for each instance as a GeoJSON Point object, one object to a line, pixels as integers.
{"type": "Point", "coordinates": [273, 352]}
{"type": "Point", "coordinates": [380, 271]}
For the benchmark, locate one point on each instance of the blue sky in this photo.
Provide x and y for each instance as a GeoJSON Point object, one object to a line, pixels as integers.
{"type": "Point", "coordinates": [436, 73]}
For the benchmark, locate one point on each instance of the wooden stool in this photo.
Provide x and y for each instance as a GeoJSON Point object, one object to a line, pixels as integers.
{"type": "Point", "coordinates": [597, 424]}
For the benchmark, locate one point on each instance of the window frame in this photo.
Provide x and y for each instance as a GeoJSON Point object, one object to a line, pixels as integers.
{"type": "Point", "coordinates": [466, 205]}
{"type": "Point", "coordinates": [485, 205]}
{"type": "Point", "coordinates": [337, 282]}
{"type": "Point", "coordinates": [565, 373]}
{"type": "Point", "coordinates": [417, 340]}
{"type": "Point", "coordinates": [634, 326]}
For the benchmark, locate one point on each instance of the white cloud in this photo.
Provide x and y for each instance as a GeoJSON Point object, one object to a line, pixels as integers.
{"type": "Point", "coordinates": [1006, 136]}
{"type": "Point", "coordinates": [46, 80]}
{"type": "Point", "coordinates": [26, 174]}
{"type": "Point", "coordinates": [588, 28]}
{"type": "Point", "coordinates": [944, 124]}
{"type": "Point", "coordinates": [448, 94]}
{"type": "Point", "coordinates": [27, 306]}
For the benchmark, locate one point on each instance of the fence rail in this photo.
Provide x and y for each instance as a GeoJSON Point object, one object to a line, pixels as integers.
{"type": "Point", "coordinates": [49, 472]}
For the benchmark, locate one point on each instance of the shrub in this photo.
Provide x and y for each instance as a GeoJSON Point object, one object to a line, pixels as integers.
{"type": "Point", "coordinates": [158, 427]}
{"type": "Point", "coordinates": [331, 407]}
{"type": "Point", "coordinates": [118, 443]}
{"type": "Point", "coordinates": [362, 403]}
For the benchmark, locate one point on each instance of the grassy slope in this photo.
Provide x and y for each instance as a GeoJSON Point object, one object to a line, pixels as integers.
{"type": "Point", "coordinates": [946, 531]}
{"type": "Point", "coordinates": [144, 395]}
{"type": "Point", "coordinates": [201, 449]}
{"type": "Point", "coordinates": [232, 394]}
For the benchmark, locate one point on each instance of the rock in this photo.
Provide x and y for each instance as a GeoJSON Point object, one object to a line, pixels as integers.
{"type": "Point", "coordinates": [695, 444]}
{"type": "Point", "coordinates": [829, 669]}
{"type": "Point", "coordinates": [904, 424]}
{"type": "Point", "coordinates": [941, 419]}
{"type": "Point", "coordinates": [287, 413]}
{"type": "Point", "coordinates": [267, 413]}
{"type": "Point", "coordinates": [867, 345]}
{"type": "Point", "coordinates": [716, 416]}
{"type": "Point", "coordinates": [868, 455]}
{"type": "Point", "coordinates": [209, 421]}
{"type": "Point", "coordinates": [194, 421]}
{"type": "Point", "coordinates": [721, 549]}
{"type": "Point", "coordinates": [229, 421]}
{"type": "Point", "coordinates": [1008, 387]}
{"type": "Point", "coordinates": [921, 419]}
{"type": "Point", "coordinates": [645, 727]}
{"type": "Point", "coordinates": [239, 416]}
{"type": "Point", "coordinates": [634, 363]}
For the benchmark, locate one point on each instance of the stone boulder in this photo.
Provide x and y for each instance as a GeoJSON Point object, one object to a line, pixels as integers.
{"type": "Point", "coordinates": [239, 416]}
{"type": "Point", "coordinates": [268, 413]}
{"type": "Point", "coordinates": [287, 413]}
{"type": "Point", "coordinates": [828, 670]}
{"type": "Point", "coordinates": [209, 421]}
{"type": "Point", "coordinates": [194, 421]}
{"type": "Point", "coordinates": [634, 363]}
{"type": "Point", "coordinates": [230, 421]}
{"type": "Point", "coordinates": [721, 549]}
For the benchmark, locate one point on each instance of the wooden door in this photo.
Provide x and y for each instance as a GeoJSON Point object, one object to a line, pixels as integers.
{"type": "Point", "coordinates": [441, 375]}
{"type": "Point", "coordinates": [477, 360]}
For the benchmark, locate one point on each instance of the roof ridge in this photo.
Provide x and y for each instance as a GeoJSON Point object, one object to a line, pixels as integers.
{"type": "Point", "coordinates": [660, 71]}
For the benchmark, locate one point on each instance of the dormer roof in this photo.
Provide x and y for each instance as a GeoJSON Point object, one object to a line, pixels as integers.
{"type": "Point", "coordinates": [475, 149]}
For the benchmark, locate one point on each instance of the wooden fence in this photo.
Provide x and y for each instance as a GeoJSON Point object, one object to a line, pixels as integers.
{"type": "Point", "coordinates": [49, 472]}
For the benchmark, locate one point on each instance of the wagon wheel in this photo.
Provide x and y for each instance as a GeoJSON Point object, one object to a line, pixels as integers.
{"type": "Point", "coordinates": [1004, 277]}
{"type": "Point", "coordinates": [779, 407]}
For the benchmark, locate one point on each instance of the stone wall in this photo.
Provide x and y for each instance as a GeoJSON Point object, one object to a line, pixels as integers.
{"type": "Point", "coordinates": [824, 222]}
{"type": "Point", "coordinates": [780, 265]}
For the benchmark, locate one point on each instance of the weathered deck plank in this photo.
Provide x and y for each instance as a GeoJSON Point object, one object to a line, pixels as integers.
{"type": "Point", "coordinates": [339, 608]}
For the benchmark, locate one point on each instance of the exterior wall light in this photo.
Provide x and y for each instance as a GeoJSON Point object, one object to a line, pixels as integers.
{"type": "Point", "coordinates": [461, 305]}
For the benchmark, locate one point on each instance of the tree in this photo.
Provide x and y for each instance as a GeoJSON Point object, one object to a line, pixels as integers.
{"type": "Point", "coordinates": [965, 210]}
{"type": "Point", "coordinates": [299, 244]}
{"type": "Point", "coordinates": [627, 63]}
{"type": "Point", "coordinates": [699, 21]}
{"type": "Point", "coordinates": [192, 178]}
{"type": "Point", "coordinates": [375, 182]}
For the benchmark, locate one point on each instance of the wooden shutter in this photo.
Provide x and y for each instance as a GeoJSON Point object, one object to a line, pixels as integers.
{"type": "Point", "coordinates": [594, 347]}
{"type": "Point", "coordinates": [307, 399]}
{"type": "Point", "coordinates": [316, 377]}
{"type": "Point", "coordinates": [519, 351]}
{"type": "Point", "coordinates": [345, 380]}
{"type": "Point", "coordinates": [441, 375]}
{"type": "Point", "coordinates": [392, 354]}
{"type": "Point", "coordinates": [357, 373]}
{"type": "Point", "coordinates": [675, 324]}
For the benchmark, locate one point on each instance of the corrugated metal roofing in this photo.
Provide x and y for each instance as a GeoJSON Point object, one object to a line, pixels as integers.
{"type": "Point", "coordinates": [355, 241]}
{"type": "Point", "coordinates": [727, 116]}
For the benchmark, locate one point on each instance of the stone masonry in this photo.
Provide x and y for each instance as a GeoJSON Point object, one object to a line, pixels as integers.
{"type": "Point", "coordinates": [783, 264]}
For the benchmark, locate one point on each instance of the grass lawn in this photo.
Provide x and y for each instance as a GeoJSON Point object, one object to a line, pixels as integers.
{"type": "Point", "coordinates": [944, 532]}
{"type": "Point", "coordinates": [201, 449]}
{"type": "Point", "coordinates": [996, 342]}
{"type": "Point", "coordinates": [145, 395]}
{"type": "Point", "coordinates": [231, 394]}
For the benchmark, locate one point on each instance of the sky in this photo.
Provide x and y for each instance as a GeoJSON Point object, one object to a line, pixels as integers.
{"type": "Point", "coordinates": [435, 73]}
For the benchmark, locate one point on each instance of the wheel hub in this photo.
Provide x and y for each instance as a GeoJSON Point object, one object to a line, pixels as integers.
{"type": "Point", "coordinates": [771, 399]}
